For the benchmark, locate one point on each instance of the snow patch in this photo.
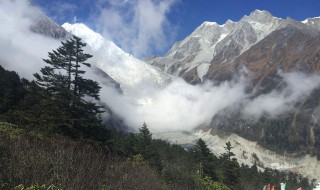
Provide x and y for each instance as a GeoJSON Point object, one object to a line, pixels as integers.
{"type": "Point", "coordinates": [222, 36]}
{"type": "Point", "coordinates": [310, 19]}
{"type": "Point", "coordinates": [305, 21]}
{"type": "Point", "coordinates": [202, 70]}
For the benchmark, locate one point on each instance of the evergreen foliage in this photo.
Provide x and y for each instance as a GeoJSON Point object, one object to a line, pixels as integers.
{"type": "Point", "coordinates": [63, 79]}
{"type": "Point", "coordinates": [11, 90]}
{"type": "Point", "coordinates": [144, 139]}
{"type": "Point", "coordinates": [231, 168]}
{"type": "Point", "coordinates": [205, 159]}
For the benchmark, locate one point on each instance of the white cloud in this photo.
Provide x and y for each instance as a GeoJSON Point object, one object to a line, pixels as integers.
{"type": "Point", "coordinates": [179, 106]}
{"type": "Point", "coordinates": [138, 26]}
{"type": "Point", "coordinates": [298, 86]}
{"type": "Point", "coordinates": [20, 49]}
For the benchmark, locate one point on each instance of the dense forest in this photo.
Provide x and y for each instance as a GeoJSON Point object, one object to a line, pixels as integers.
{"type": "Point", "coordinates": [52, 137]}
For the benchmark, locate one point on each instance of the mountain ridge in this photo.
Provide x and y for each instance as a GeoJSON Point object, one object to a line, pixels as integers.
{"type": "Point", "coordinates": [248, 31]}
{"type": "Point", "coordinates": [46, 26]}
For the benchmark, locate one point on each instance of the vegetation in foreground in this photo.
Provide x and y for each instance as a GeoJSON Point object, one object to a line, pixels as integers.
{"type": "Point", "coordinates": [51, 137]}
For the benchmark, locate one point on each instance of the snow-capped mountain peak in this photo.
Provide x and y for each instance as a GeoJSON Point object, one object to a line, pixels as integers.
{"type": "Point", "coordinates": [208, 23]}
{"type": "Point", "coordinates": [211, 42]}
{"type": "Point", "coordinates": [261, 16]}
{"type": "Point", "coordinates": [121, 66]}
{"type": "Point", "coordinates": [229, 24]}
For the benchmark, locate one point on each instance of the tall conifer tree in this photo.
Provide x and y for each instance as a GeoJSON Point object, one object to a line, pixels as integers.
{"type": "Point", "coordinates": [63, 79]}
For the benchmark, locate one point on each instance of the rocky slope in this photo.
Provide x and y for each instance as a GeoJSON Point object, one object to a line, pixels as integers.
{"type": "Point", "coordinates": [46, 26]}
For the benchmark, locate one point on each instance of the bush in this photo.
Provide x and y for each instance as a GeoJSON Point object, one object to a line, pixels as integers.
{"type": "Point", "coordinates": [206, 183]}
{"type": "Point", "coordinates": [67, 164]}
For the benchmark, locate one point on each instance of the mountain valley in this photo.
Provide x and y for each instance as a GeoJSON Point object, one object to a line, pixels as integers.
{"type": "Point", "coordinates": [254, 83]}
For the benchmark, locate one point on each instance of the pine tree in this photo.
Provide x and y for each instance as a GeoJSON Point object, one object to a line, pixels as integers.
{"type": "Point", "coordinates": [144, 139]}
{"type": "Point", "coordinates": [11, 90]}
{"type": "Point", "coordinates": [228, 154]}
{"type": "Point", "coordinates": [230, 167]}
{"type": "Point", "coordinates": [80, 58]}
{"type": "Point", "coordinates": [205, 159]}
{"type": "Point", "coordinates": [63, 79]}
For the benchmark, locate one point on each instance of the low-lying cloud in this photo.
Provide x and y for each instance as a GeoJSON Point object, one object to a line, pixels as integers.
{"type": "Point", "coordinates": [298, 86]}
{"type": "Point", "coordinates": [179, 106]}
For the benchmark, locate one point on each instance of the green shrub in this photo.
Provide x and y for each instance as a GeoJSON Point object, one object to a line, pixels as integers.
{"type": "Point", "coordinates": [206, 183]}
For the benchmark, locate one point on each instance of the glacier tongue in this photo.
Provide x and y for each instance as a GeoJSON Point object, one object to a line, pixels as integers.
{"type": "Point", "coordinates": [129, 71]}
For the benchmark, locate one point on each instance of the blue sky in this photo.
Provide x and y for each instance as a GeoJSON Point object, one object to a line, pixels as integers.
{"type": "Point", "coordinates": [178, 17]}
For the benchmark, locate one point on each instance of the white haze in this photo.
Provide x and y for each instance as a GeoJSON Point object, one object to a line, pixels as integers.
{"type": "Point", "coordinates": [178, 106]}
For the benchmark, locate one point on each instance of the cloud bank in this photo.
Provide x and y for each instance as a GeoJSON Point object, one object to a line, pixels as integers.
{"type": "Point", "coordinates": [178, 106]}
{"type": "Point", "coordinates": [181, 106]}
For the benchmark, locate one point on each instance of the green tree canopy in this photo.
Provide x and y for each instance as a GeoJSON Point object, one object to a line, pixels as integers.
{"type": "Point", "coordinates": [205, 158]}
{"type": "Point", "coordinates": [63, 78]}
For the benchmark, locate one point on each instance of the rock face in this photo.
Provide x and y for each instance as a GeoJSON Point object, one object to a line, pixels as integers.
{"type": "Point", "coordinates": [287, 49]}
{"type": "Point", "coordinates": [46, 26]}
